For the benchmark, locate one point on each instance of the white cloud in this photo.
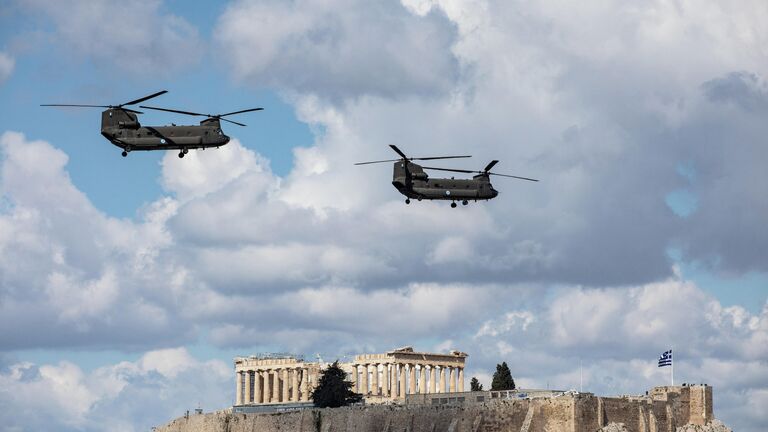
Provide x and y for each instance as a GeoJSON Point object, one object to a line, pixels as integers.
{"type": "Point", "coordinates": [203, 172]}
{"type": "Point", "coordinates": [130, 396]}
{"type": "Point", "coordinates": [136, 36]}
{"type": "Point", "coordinates": [511, 320]}
{"type": "Point", "coordinates": [86, 283]}
{"type": "Point", "coordinates": [338, 49]}
{"type": "Point", "coordinates": [6, 66]}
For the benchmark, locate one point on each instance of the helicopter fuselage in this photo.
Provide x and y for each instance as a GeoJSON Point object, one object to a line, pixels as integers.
{"type": "Point", "coordinates": [415, 183]}
{"type": "Point", "coordinates": [123, 129]}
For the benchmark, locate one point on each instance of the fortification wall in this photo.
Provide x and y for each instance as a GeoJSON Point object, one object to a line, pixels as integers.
{"type": "Point", "coordinates": [700, 406]}
{"type": "Point", "coordinates": [355, 419]}
{"type": "Point", "coordinates": [568, 413]}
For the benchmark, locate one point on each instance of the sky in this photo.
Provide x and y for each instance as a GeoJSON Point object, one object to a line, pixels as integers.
{"type": "Point", "coordinates": [127, 285]}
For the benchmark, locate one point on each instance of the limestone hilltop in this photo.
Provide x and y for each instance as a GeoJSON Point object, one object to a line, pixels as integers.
{"type": "Point", "coordinates": [663, 409]}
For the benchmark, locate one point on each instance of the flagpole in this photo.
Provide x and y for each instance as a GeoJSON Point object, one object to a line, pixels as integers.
{"type": "Point", "coordinates": [672, 354]}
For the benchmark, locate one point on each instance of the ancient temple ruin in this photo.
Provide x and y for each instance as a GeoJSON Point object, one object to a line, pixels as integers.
{"type": "Point", "coordinates": [380, 378]}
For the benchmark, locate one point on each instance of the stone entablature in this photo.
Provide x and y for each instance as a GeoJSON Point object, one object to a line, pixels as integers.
{"type": "Point", "coordinates": [380, 378]}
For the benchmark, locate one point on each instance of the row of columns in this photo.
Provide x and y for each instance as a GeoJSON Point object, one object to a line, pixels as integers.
{"type": "Point", "coordinates": [394, 384]}
{"type": "Point", "coordinates": [274, 385]}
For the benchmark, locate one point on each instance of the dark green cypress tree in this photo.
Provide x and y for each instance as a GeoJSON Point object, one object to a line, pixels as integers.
{"type": "Point", "coordinates": [502, 378]}
{"type": "Point", "coordinates": [334, 390]}
{"type": "Point", "coordinates": [475, 385]}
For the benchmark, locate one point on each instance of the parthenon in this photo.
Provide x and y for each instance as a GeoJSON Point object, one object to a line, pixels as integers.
{"type": "Point", "coordinates": [380, 378]}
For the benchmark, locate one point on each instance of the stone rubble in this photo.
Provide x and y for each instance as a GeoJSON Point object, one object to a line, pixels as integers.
{"type": "Point", "coordinates": [614, 427]}
{"type": "Point", "coordinates": [713, 426]}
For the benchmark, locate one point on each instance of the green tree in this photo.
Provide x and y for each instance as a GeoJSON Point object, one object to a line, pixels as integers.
{"type": "Point", "coordinates": [334, 390]}
{"type": "Point", "coordinates": [475, 385]}
{"type": "Point", "coordinates": [502, 378]}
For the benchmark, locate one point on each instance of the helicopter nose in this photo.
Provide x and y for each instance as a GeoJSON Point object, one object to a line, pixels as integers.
{"type": "Point", "coordinates": [494, 193]}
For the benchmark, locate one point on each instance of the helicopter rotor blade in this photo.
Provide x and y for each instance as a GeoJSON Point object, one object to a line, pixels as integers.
{"type": "Point", "coordinates": [231, 121]}
{"type": "Point", "coordinates": [398, 151]}
{"type": "Point", "coordinates": [478, 172]}
{"type": "Point", "coordinates": [517, 177]}
{"type": "Point", "coordinates": [239, 112]}
{"type": "Point", "coordinates": [93, 106]}
{"type": "Point", "coordinates": [441, 157]}
{"type": "Point", "coordinates": [381, 161]}
{"type": "Point", "coordinates": [74, 105]}
{"type": "Point", "coordinates": [175, 111]}
{"type": "Point", "coordinates": [153, 95]}
{"type": "Point", "coordinates": [490, 165]}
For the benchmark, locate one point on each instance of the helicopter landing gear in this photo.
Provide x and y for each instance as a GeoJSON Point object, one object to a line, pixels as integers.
{"type": "Point", "coordinates": [182, 152]}
{"type": "Point", "coordinates": [407, 200]}
{"type": "Point", "coordinates": [453, 205]}
{"type": "Point", "coordinates": [124, 153]}
{"type": "Point", "coordinates": [418, 199]}
{"type": "Point", "coordinates": [465, 202]}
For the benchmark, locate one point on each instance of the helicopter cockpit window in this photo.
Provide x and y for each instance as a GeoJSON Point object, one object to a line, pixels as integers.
{"type": "Point", "coordinates": [218, 131]}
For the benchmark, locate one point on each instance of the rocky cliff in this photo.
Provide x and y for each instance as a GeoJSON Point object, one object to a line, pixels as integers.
{"type": "Point", "coordinates": [568, 413]}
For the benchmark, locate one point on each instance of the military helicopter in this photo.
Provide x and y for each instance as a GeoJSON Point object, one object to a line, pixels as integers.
{"type": "Point", "coordinates": [121, 127]}
{"type": "Point", "coordinates": [411, 180]}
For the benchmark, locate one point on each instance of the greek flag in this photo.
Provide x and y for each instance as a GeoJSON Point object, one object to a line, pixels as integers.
{"type": "Point", "coordinates": [665, 359]}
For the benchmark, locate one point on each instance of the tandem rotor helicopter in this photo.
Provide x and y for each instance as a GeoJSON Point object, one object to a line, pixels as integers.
{"type": "Point", "coordinates": [121, 127]}
{"type": "Point", "coordinates": [411, 180]}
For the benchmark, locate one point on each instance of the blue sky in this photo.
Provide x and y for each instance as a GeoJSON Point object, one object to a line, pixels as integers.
{"type": "Point", "coordinates": [130, 274]}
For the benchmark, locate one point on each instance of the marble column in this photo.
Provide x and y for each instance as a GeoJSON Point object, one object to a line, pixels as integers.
{"type": "Point", "coordinates": [461, 379]}
{"type": "Point", "coordinates": [247, 385]}
{"type": "Point", "coordinates": [385, 379]}
{"type": "Point", "coordinates": [267, 395]}
{"type": "Point", "coordinates": [393, 381]}
{"type": "Point", "coordinates": [295, 385]}
{"type": "Point", "coordinates": [257, 387]}
{"type": "Point", "coordinates": [275, 385]}
{"type": "Point", "coordinates": [442, 379]}
{"type": "Point", "coordinates": [453, 380]}
{"type": "Point", "coordinates": [364, 379]}
{"type": "Point", "coordinates": [311, 380]}
{"type": "Point", "coordinates": [401, 390]}
{"type": "Point", "coordinates": [422, 379]}
{"type": "Point", "coordinates": [353, 378]}
{"type": "Point", "coordinates": [305, 385]}
{"type": "Point", "coordinates": [286, 385]}
{"type": "Point", "coordinates": [432, 379]}
{"type": "Point", "coordinates": [238, 388]}
{"type": "Point", "coordinates": [411, 378]}
{"type": "Point", "coordinates": [375, 380]}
